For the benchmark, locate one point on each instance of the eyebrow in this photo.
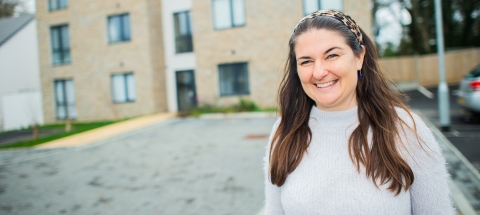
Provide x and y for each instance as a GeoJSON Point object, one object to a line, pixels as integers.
{"type": "Point", "coordinates": [326, 52]}
{"type": "Point", "coordinates": [330, 49]}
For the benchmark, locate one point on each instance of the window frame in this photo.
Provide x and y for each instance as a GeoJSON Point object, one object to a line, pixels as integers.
{"type": "Point", "coordinates": [232, 15]}
{"type": "Point", "coordinates": [67, 104]}
{"type": "Point", "coordinates": [125, 85]}
{"type": "Point", "coordinates": [121, 31]}
{"type": "Point", "coordinates": [59, 6]}
{"type": "Point", "coordinates": [235, 91]}
{"type": "Point", "coordinates": [62, 50]}
{"type": "Point", "coordinates": [189, 23]}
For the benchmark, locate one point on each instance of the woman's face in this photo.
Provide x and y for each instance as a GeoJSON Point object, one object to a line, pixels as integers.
{"type": "Point", "coordinates": [327, 68]}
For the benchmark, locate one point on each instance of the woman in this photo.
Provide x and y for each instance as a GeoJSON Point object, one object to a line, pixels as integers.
{"type": "Point", "coordinates": [345, 142]}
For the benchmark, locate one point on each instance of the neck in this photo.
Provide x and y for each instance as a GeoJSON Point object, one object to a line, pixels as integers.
{"type": "Point", "coordinates": [335, 118]}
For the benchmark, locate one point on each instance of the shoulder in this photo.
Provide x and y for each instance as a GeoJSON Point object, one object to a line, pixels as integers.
{"type": "Point", "coordinates": [412, 124]}
{"type": "Point", "coordinates": [410, 118]}
{"type": "Point", "coordinates": [417, 138]}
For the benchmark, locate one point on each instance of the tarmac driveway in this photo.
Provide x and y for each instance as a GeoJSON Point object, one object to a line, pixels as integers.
{"type": "Point", "coordinates": [180, 166]}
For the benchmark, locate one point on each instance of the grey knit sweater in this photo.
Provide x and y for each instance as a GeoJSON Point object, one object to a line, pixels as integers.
{"type": "Point", "coordinates": [327, 182]}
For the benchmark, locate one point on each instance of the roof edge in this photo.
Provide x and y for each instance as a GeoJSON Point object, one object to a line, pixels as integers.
{"type": "Point", "coordinates": [16, 31]}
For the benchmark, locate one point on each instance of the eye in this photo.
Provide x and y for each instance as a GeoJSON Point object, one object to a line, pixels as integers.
{"type": "Point", "coordinates": [332, 56]}
{"type": "Point", "coordinates": [305, 62]}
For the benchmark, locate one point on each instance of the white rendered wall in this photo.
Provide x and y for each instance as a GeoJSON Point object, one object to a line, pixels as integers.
{"type": "Point", "coordinates": [175, 62]}
{"type": "Point", "coordinates": [22, 109]}
{"type": "Point", "coordinates": [19, 70]}
{"type": "Point", "coordinates": [19, 64]}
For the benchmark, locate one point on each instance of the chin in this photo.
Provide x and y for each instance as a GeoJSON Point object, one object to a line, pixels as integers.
{"type": "Point", "coordinates": [326, 105]}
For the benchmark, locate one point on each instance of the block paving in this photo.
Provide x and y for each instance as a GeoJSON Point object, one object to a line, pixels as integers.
{"type": "Point", "coordinates": [179, 166]}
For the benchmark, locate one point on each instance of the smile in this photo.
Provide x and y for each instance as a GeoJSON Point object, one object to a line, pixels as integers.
{"type": "Point", "coordinates": [326, 84]}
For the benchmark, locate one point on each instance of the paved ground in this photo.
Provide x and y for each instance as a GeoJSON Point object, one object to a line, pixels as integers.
{"type": "Point", "coordinates": [465, 130]}
{"type": "Point", "coordinates": [179, 166]}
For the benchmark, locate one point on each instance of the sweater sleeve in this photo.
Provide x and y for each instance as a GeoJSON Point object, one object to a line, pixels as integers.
{"type": "Point", "coordinates": [273, 205]}
{"type": "Point", "coordinates": [429, 193]}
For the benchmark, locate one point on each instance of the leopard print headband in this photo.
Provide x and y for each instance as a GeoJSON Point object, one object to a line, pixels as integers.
{"type": "Point", "coordinates": [344, 18]}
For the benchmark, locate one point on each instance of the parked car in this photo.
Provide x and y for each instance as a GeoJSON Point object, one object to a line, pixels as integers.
{"type": "Point", "coordinates": [469, 91]}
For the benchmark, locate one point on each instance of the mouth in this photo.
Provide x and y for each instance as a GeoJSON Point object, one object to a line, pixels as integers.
{"type": "Point", "coordinates": [326, 84]}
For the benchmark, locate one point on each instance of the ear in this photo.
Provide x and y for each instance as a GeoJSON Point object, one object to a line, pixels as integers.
{"type": "Point", "coordinates": [359, 60]}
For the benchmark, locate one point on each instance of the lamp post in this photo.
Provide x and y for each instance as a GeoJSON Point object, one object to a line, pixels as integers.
{"type": "Point", "coordinates": [443, 98]}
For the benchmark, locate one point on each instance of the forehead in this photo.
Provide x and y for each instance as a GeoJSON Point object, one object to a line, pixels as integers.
{"type": "Point", "coordinates": [319, 40]}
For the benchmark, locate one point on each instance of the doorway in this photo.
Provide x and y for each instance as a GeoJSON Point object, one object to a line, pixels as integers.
{"type": "Point", "coordinates": [186, 93]}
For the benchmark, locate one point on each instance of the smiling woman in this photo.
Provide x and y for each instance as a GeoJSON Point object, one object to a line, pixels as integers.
{"type": "Point", "coordinates": [345, 142]}
{"type": "Point", "coordinates": [326, 67]}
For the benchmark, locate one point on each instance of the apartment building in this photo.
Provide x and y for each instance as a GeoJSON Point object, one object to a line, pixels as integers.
{"type": "Point", "coordinates": [100, 60]}
{"type": "Point", "coordinates": [115, 59]}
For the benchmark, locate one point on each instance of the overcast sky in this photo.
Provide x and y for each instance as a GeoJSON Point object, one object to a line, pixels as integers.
{"type": "Point", "coordinates": [30, 5]}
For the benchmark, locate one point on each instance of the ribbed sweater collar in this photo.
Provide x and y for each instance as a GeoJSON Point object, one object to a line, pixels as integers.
{"type": "Point", "coordinates": [335, 118]}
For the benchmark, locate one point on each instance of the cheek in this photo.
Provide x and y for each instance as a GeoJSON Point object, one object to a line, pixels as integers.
{"type": "Point", "coordinates": [304, 75]}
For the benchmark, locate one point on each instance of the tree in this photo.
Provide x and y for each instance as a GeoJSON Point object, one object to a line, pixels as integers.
{"type": "Point", "coordinates": [470, 28]}
{"type": "Point", "coordinates": [421, 31]}
{"type": "Point", "coordinates": [9, 8]}
{"type": "Point", "coordinates": [461, 24]}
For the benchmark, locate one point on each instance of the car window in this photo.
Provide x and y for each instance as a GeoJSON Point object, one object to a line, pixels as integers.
{"type": "Point", "coordinates": [475, 73]}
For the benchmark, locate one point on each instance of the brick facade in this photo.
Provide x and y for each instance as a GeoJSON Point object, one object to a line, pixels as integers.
{"type": "Point", "coordinates": [94, 59]}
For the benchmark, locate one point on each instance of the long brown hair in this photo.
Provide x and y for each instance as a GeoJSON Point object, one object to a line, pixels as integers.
{"type": "Point", "coordinates": [376, 112]}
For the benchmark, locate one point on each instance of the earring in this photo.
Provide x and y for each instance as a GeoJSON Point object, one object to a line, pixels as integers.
{"type": "Point", "coordinates": [360, 74]}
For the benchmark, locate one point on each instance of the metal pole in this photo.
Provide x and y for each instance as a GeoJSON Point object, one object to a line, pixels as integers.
{"type": "Point", "coordinates": [443, 98]}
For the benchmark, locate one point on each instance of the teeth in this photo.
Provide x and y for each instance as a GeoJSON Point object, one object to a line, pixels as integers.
{"type": "Point", "coordinates": [326, 84]}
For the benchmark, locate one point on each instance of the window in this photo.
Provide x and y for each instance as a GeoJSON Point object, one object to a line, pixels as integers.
{"type": "Point", "coordinates": [228, 13]}
{"type": "Point", "coordinates": [65, 99]}
{"type": "Point", "coordinates": [123, 88]}
{"type": "Point", "coordinates": [60, 44]}
{"type": "Point", "coordinates": [310, 6]}
{"type": "Point", "coordinates": [183, 32]}
{"type": "Point", "coordinates": [119, 28]}
{"type": "Point", "coordinates": [233, 79]}
{"type": "Point", "coordinates": [57, 4]}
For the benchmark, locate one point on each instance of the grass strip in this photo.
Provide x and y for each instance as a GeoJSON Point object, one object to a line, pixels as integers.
{"type": "Point", "coordinates": [76, 128]}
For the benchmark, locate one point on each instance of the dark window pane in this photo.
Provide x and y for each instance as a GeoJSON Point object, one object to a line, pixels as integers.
{"type": "Point", "coordinates": [52, 4]}
{"type": "Point", "coordinates": [123, 88]}
{"type": "Point", "coordinates": [183, 32]}
{"type": "Point", "coordinates": [65, 99]}
{"type": "Point", "coordinates": [118, 28]}
{"type": "Point", "coordinates": [222, 14]}
{"type": "Point", "coordinates": [233, 79]}
{"type": "Point", "coordinates": [130, 86]}
{"type": "Point", "coordinates": [57, 4]}
{"type": "Point", "coordinates": [63, 3]}
{"type": "Point", "coordinates": [125, 27]}
{"type": "Point", "coordinates": [60, 42]}
{"type": "Point", "coordinates": [238, 12]}
{"type": "Point", "coordinates": [228, 13]}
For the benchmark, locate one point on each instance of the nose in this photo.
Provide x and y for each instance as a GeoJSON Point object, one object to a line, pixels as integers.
{"type": "Point", "coordinates": [319, 71]}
